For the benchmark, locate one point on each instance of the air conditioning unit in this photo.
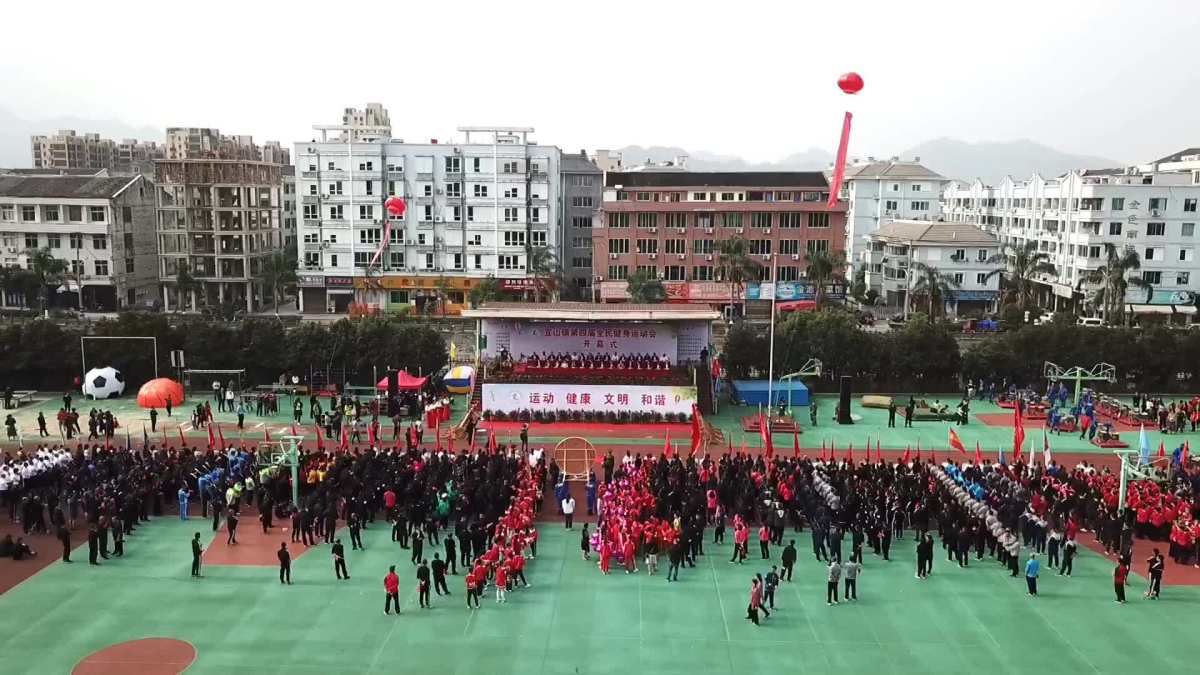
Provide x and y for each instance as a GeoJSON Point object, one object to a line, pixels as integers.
{"type": "Point", "coordinates": [767, 231]}
{"type": "Point", "coordinates": [681, 230]}
{"type": "Point", "coordinates": [654, 230]}
{"type": "Point", "coordinates": [708, 258]}
{"type": "Point", "coordinates": [612, 256]}
{"type": "Point", "coordinates": [654, 256]}
{"type": "Point", "coordinates": [708, 230]}
{"type": "Point", "coordinates": [795, 256]}
{"type": "Point", "coordinates": [681, 256]}
{"type": "Point", "coordinates": [741, 230]}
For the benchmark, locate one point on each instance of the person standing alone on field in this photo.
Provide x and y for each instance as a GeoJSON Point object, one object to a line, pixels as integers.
{"type": "Point", "coordinates": [196, 551]}
{"type": "Point", "coordinates": [1032, 567]}
{"type": "Point", "coordinates": [391, 589]}
{"type": "Point", "coordinates": [285, 564]}
{"type": "Point", "coordinates": [339, 560]}
{"type": "Point", "coordinates": [568, 509]}
{"type": "Point", "coordinates": [1120, 575]}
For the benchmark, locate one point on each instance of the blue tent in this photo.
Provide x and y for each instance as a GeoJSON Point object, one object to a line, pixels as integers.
{"type": "Point", "coordinates": [754, 392]}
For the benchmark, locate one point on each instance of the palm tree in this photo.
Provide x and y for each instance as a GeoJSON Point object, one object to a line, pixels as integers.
{"type": "Point", "coordinates": [277, 272]}
{"type": "Point", "coordinates": [932, 283]}
{"type": "Point", "coordinates": [645, 289]}
{"type": "Point", "coordinates": [485, 291]}
{"type": "Point", "coordinates": [48, 270]}
{"type": "Point", "coordinates": [1023, 264]}
{"type": "Point", "coordinates": [823, 267]}
{"type": "Point", "coordinates": [543, 265]}
{"type": "Point", "coordinates": [736, 266]}
{"type": "Point", "coordinates": [1112, 281]}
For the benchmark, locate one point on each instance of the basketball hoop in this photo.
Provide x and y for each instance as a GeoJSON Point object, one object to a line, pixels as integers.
{"type": "Point", "coordinates": [574, 455]}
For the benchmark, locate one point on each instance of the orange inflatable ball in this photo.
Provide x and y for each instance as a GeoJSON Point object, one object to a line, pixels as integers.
{"type": "Point", "coordinates": [154, 394]}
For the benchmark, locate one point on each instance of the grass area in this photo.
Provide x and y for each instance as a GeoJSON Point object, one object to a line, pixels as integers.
{"type": "Point", "coordinates": [573, 620]}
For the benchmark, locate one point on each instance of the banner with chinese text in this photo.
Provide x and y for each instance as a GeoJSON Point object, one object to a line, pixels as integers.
{"type": "Point", "coordinates": [514, 397]}
{"type": "Point", "coordinates": [536, 337]}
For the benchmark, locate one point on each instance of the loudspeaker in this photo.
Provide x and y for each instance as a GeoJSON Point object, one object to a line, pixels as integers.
{"type": "Point", "coordinates": [843, 411]}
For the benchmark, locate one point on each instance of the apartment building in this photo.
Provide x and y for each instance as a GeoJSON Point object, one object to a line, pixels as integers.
{"type": "Point", "coordinates": [369, 124]}
{"type": "Point", "coordinates": [209, 143]}
{"type": "Point", "coordinates": [670, 224]}
{"type": "Point", "coordinates": [288, 207]}
{"type": "Point", "coordinates": [961, 252]}
{"type": "Point", "coordinates": [101, 227]}
{"type": "Point", "coordinates": [69, 150]}
{"type": "Point", "coordinates": [1075, 216]}
{"type": "Point", "coordinates": [582, 188]}
{"type": "Point", "coordinates": [218, 219]}
{"type": "Point", "coordinates": [476, 209]}
{"type": "Point", "coordinates": [877, 192]}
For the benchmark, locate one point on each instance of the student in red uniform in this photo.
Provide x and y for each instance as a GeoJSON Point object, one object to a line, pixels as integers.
{"type": "Point", "coordinates": [605, 555]}
{"type": "Point", "coordinates": [501, 583]}
{"type": "Point", "coordinates": [518, 569]}
{"type": "Point", "coordinates": [472, 591]}
{"type": "Point", "coordinates": [629, 556]}
{"type": "Point", "coordinates": [391, 586]}
{"type": "Point", "coordinates": [1119, 576]}
{"type": "Point", "coordinates": [764, 538]}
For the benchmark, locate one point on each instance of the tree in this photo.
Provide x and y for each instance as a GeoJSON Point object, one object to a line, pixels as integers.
{"type": "Point", "coordinates": [485, 291]}
{"type": "Point", "coordinates": [736, 266]}
{"type": "Point", "coordinates": [185, 283]}
{"type": "Point", "coordinates": [20, 282]}
{"type": "Point", "coordinates": [933, 284]}
{"type": "Point", "coordinates": [1023, 264]}
{"type": "Point", "coordinates": [1112, 281]}
{"type": "Point", "coordinates": [443, 289]}
{"type": "Point", "coordinates": [823, 267]}
{"type": "Point", "coordinates": [543, 266]}
{"type": "Point", "coordinates": [645, 289]}
{"type": "Point", "coordinates": [278, 272]}
{"type": "Point", "coordinates": [48, 270]}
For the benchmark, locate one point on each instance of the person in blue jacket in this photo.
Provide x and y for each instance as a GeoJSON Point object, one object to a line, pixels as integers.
{"type": "Point", "coordinates": [591, 493]}
{"type": "Point", "coordinates": [183, 502]}
{"type": "Point", "coordinates": [1032, 567]}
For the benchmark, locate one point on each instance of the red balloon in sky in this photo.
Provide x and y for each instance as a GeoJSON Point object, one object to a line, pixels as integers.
{"type": "Point", "coordinates": [395, 206]}
{"type": "Point", "coordinates": [850, 83]}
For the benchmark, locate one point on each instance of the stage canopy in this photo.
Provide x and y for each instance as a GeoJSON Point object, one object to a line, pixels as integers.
{"type": "Point", "coordinates": [754, 392]}
{"type": "Point", "coordinates": [407, 382]}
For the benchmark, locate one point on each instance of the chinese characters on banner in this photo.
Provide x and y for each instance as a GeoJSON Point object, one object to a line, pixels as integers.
{"type": "Point", "coordinates": [513, 397]}
{"type": "Point", "coordinates": [607, 338]}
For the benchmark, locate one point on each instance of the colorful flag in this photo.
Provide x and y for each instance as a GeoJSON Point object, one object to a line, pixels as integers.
{"type": "Point", "coordinates": [696, 431]}
{"type": "Point", "coordinates": [492, 447]}
{"type": "Point", "coordinates": [344, 442]}
{"type": "Point", "coordinates": [320, 439]}
{"type": "Point", "coordinates": [212, 441]}
{"type": "Point", "coordinates": [764, 430]}
{"type": "Point", "coordinates": [1018, 432]}
{"type": "Point", "coordinates": [956, 442]}
{"type": "Point", "coordinates": [796, 443]}
{"type": "Point", "coordinates": [907, 455]}
{"type": "Point", "coordinates": [667, 446]}
{"type": "Point", "coordinates": [371, 436]}
{"type": "Point", "coordinates": [220, 436]}
{"type": "Point", "coordinates": [1186, 448]}
{"type": "Point", "coordinates": [1162, 450]}
{"type": "Point", "coordinates": [978, 454]}
{"type": "Point", "coordinates": [1045, 448]}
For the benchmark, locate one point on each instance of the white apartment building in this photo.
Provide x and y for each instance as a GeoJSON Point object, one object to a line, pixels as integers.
{"type": "Point", "coordinates": [102, 229]}
{"type": "Point", "coordinates": [960, 251]}
{"type": "Point", "coordinates": [877, 192]}
{"type": "Point", "coordinates": [476, 209]}
{"type": "Point", "coordinates": [1073, 217]}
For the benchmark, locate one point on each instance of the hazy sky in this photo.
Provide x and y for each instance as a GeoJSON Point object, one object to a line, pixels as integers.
{"type": "Point", "coordinates": [1116, 79]}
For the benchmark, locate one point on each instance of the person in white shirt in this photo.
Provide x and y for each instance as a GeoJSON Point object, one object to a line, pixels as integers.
{"type": "Point", "coordinates": [568, 509]}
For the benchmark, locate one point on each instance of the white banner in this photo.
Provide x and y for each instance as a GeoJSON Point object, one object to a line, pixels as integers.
{"type": "Point", "coordinates": [535, 337]}
{"type": "Point", "coordinates": [514, 397]}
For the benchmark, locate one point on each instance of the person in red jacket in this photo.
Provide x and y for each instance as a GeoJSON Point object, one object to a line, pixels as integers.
{"type": "Point", "coordinates": [605, 555]}
{"type": "Point", "coordinates": [501, 582]}
{"type": "Point", "coordinates": [472, 591]}
{"type": "Point", "coordinates": [764, 538]}
{"type": "Point", "coordinates": [741, 537]}
{"type": "Point", "coordinates": [629, 556]}
{"type": "Point", "coordinates": [391, 586]}
{"type": "Point", "coordinates": [1120, 574]}
{"type": "Point", "coordinates": [518, 569]}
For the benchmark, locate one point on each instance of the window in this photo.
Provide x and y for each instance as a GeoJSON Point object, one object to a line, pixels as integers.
{"type": "Point", "coordinates": [675, 246]}
{"type": "Point", "coordinates": [1118, 203]}
{"type": "Point", "coordinates": [75, 240]}
{"type": "Point", "coordinates": [28, 214]}
{"type": "Point", "coordinates": [456, 214]}
{"type": "Point", "coordinates": [370, 187]}
{"type": "Point", "coordinates": [676, 220]}
{"type": "Point", "coordinates": [1151, 254]}
{"type": "Point", "coordinates": [453, 189]}
{"type": "Point", "coordinates": [369, 236]}
{"type": "Point", "coordinates": [428, 189]}
{"type": "Point", "coordinates": [510, 214]}
{"type": "Point", "coordinates": [982, 255]}
{"type": "Point", "coordinates": [50, 213]}
{"type": "Point", "coordinates": [703, 246]}
{"type": "Point", "coordinates": [916, 187]}
{"type": "Point", "coordinates": [1156, 229]}
{"type": "Point", "coordinates": [981, 278]}
{"type": "Point", "coordinates": [77, 267]}
{"type": "Point", "coordinates": [618, 246]}
{"type": "Point", "coordinates": [759, 219]}
{"type": "Point", "coordinates": [618, 220]}
{"type": "Point", "coordinates": [958, 277]}
{"type": "Point", "coordinates": [647, 220]}
{"type": "Point", "coordinates": [510, 167]}
{"type": "Point", "coordinates": [1158, 203]}
{"type": "Point", "coordinates": [420, 239]}
{"type": "Point", "coordinates": [1152, 278]}
{"type": "Point", "coordinates": [919, 206]}
{"type": "Point", "coordinates": [581, 222]}
{"type": "Point", "coordinates": [362, 258]}
{"type": "Point", "coordinates": [513, 238]}
{"type": "Point", "coordinates": [790, 220]}
{"type": "Point", "coordinates": [817, 245]}
{"type": "Point", "coordinates": [457, 261]}
{"type": "Point", "coordinates": [335, 188]}
{"type": "Point", "coordinates": [537, 238]}
{"type": "Point", "coordinates": [1189, 205]}
{"type": "Point", "coordinates": [75, 214]}
{"type": "Point", "coordinates": [470, 214]}
{"type": "Point", "coordinates": [511, 193]}
{"type": "Point", "coordinates": [818, 220]}
{"type": "Point", "coordinates": [100, 242]}
{"type": "Point", "coordinates": [101, 268]}
{"type": "Point", "coordinates": [651, 271]}
{"type": "Point", "coordinates": [702, 273]}
{"type": "Point", "coordinates": [453, 164]}
{"type": "Point", "coordinates": [1181, 278]}
{"type": "Point", "coordinates": [731, 220]}
{"type": "Point", "coordinates": [366, 212]}
{"type": "Point", "coordinates": [396, 259]}
{"type": "Point", "coordinates": [1114, 228]}
{"type": "Point", "coordinates": [891, 205]}
{"type": "Point", "coordinates": [581, 262]}
{"type": "Point", "coordinates": [1187, 229]}
{"type": "Point", "coordinates": [477, 263]}
{"type": "Point", "coordinates": [333, 260]}
{"type": "Point", "coordinates": [535, 215]}
{"type": "Point", "coordinates": [129, 265]}
{"type": "Point", "coordinates": [760, 247]}
{"type": "Point", "coordinates": [475, 240]}
{"type": "Point", "coordinates": [674, 273]}
{"type": "Point", "coordinates": [481, 190]}
{"type": "Point", "coordinates": [789, 247]}
{"type": "Point", "coordinates": [1185, 255]}
{"type": "Point", "coordinates": [618, 272]}
{"type": "Point", "coordinates": [647, 246]}
{"type": "Point", "coordinates": [643, 197]}
{"type": "Point", "coordinates": [582, 202]}
{"type": "Point", "coordinates": [895, 187]}
{"type": "Point", "coordinates": [31, 241]}
{"type": "Point", "coordinates": [6, 212]}
{"type": "Point", "coordinates": [789, 273]}
{"type": "Point", "coordinates": [335, 212]}
{"type": "Point", "coordinates": [699, 196]}
{"type": "Point", "coordinates": [727, 196]}
{"type": "Point", "coordinates": [581, 181]}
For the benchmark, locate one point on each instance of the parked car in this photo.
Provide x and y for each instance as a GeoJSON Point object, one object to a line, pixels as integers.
{"type": "Point", "coordinates": [1089, 321]}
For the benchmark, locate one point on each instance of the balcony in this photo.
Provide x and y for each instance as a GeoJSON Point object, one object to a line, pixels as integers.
{"type": "Point", "coordinates": [310, 174]}
{"type": "Point", "coordinates": [453, 175]}
{"type": "Point", "coordinates": [425, 175]}
{"type": "Point", "coordinates": [396, 173]}
{"type": "Point", "coordinates": [310, 199]}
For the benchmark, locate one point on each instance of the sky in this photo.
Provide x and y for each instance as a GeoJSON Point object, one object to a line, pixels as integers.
{"type": "Point", "coordinates": [755, 79]}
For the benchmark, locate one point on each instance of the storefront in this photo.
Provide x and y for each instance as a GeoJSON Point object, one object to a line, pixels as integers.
{"type": "Point", "coordinates": [967, 303]}
{"type": "Point", "coordinates": [422, 295]}
{"type": "Point", "coordinates": [339, 294]}
{"type": "Point", "coordinates": [1173, 307]}
{"type": "Point", "coordinates": [311, 293]}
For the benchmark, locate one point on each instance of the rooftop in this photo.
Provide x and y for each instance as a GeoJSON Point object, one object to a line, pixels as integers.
{"type": "Point", "coordinates": [68, 187]}
{"type": "Point", "coordinates": [773, 179]}
{"type": "Point", "coordinates": [1178, 156]}
{"type": "Point", "coordinates": [578, 163]}
{"type": "Point", "coordinates": [891, 170]}
{"type": "Point", "coordinates": [588, 311]}
{"type": "Point", "coordinates": [934, 232]}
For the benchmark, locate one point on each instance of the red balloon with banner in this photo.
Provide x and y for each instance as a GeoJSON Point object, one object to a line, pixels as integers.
{"type": "Point", "coordinates": [395, 207]}
{"type": "Point", "coordinates": [850, 83]}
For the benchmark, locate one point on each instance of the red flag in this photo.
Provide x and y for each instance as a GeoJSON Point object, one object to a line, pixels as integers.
{"type": "Point", "coordinates": [182, 440]}
{"type": "Point", "coordinates": [850, 454]}
{"type": "Point", "coordinates": [839, 166]}
{"type": "Point", "coordinates": [598, 460]}
{"type": "Point", "coordinates": [371, 438]}
{"type": "Point", "coordinates": [267, 434]}
{"type": "Point", "coordinates": [1018, 432]}
{"type": "Point", "coordinates": [212, 441]}
{"type": "Point", "coordinates": [344, 442]}
{"type": "Point", "coordinates": [320, 439]}
{"type": "Point", "coordinates": [956, 442]}
{"type": "Point", "coordinates": [492, 442]}
{"type": "Point", "coordinates": [1184, 457]}
{"type": "Point", "coordinates": [667, 446]}
{"type": "Point", "coordinates": [696, 432]}
{"type": "Point", "coordinates": [907, 455]}
{"type": "Point", "coordinates": [978, 454]}
{"type": "Point", "coordinates": [796, 443]}
{"type": "Point", "coordinates": [220, 436]}
{"type": "Point", "coordinates": [918, 450]}
{"type": "Point", "coordinates": [1162, 450]}
{"type": "Point", "coordinates": [437, 434]}
{"type": "Point", "coordinates": [878, 453]}
{"type": "Point", "coordinates": [294, 429]}
{"type": "Point", "coordinates": [764, 430]}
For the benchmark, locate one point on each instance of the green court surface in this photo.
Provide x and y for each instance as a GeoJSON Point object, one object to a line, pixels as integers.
{"type": "Point", "coordinates": [573, 620]}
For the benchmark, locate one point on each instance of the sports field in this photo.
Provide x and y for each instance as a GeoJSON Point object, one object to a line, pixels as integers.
{"type": "Point", "coordinates": [573, 620]}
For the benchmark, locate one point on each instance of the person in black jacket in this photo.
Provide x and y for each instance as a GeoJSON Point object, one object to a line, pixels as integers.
{"type": "Point", "coordinates": [451, 553]}
{"type": "Point", "coordinates": [676, 556]}
{"type": "Point", "coordinates": [355, 524]}
{"type": "Point", "coordinates": [64, 535]}
{"type": "Point", "coordinates": [418, 546]}
{"type": "Point", "coordinates": [196, 551]}
{"type": "Point", "coordinates": [93, 545]}
{"type": "Point", "coordinates": [285, 564]}
{"type": "Point", "coordinates": [789, 560]}
{"type": "Point", "coordinates": [438, 567]}
{"type": "Point", "coordinates": [339, 560]}
{"type": "Point", "coordinates": [423, 584]}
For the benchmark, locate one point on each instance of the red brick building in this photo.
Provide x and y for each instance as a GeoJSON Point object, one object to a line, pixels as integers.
{"type": "Point", "coordinates": [671, 224]}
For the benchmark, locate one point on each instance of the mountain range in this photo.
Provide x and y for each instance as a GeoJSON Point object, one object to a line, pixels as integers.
{"type": "Point", "coordinates": [990, 161]}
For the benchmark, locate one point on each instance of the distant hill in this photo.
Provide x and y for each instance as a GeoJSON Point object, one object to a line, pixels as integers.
{"type": "Point", "coordinates": [949, 157]}
{"type": "Point", "coordinates": [15, 133]}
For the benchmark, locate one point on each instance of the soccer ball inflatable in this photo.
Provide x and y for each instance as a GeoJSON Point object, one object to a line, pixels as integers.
{"type": "Point", "coordinates": [106, 382]}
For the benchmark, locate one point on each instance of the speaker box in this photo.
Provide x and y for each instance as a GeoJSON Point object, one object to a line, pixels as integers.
{"type": "Point", "coordinates": [843, 411]}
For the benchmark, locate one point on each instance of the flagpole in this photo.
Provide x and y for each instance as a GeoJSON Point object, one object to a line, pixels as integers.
{"type": "Point", "coordinates": [771, 348]}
